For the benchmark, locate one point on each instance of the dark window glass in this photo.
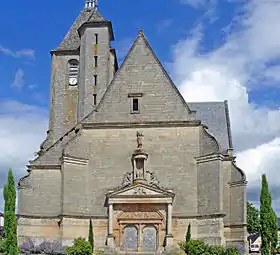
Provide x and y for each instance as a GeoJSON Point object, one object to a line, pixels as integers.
{"type": "Point", "coordinates": [135, 105]}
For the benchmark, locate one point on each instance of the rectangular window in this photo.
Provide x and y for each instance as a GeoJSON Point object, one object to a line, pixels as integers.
{"type": "Point", "coordinates": [95, 61]}
{"type": "Point", "coordinates": [96, 38]}
{"type": "Point", "coordinates": [95, 80]}
{"type": "Point", "coordinates": [94, 99]}
{"type": "Point", "coordinates": [135, 105]}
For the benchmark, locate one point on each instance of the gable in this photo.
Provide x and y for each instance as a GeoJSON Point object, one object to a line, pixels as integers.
{"type": "Point", "coordinates": [140, 190]}
{"type": "Point", "coordinates": [143, 77]}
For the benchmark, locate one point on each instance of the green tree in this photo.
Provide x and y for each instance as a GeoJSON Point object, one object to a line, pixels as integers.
{"type": "Point", "coordinates": [274, 230]}
{"type": "Point", "coordinates": [268, 220]}
{"type": "Point", "coordinates": [189, 234]}
{"type": "Point", "coordinates": [10, 220]}
{"type": "Point", "coordinates": [253, 219]}
{"type": "Point", "coordinates": [90, 235]}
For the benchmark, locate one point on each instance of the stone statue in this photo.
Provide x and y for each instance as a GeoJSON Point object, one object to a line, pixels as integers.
{"type": "Point", "coordinates": [139, 140]}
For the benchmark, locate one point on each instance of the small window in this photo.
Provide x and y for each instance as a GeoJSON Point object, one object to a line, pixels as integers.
{"type": "Point", "coordinates": [95, 80]}
{"type": "Point", "coordinates": [135, 105]}
{"type": "Point", "coordinates": [94, 99]}
{"type": "Point", "coordinates": [95, 61]}
{"type": "Point", "coordinates": [96, 38]}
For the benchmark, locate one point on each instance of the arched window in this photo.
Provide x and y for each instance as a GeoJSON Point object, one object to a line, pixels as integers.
{"type": "Point", "coordinates": [73, 71]}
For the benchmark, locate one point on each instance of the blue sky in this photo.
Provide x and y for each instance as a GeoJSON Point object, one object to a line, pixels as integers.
{"type": "Point", "coordinates": [214, 50]}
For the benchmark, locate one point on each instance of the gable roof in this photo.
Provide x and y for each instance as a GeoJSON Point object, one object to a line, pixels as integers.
{"type": "Point", "coordinates": [72, 39]}
{"type": "Point", "coordinates": [215, 116]}
{"type": "Point", "coordinates": [141, 49]}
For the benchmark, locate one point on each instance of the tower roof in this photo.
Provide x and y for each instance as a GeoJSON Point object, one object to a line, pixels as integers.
{"type": "Point", "coordinates": [88, 15]}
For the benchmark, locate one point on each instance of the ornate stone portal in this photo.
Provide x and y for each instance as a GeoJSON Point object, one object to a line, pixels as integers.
{"type": "Point", "coordinates": [140, 211]}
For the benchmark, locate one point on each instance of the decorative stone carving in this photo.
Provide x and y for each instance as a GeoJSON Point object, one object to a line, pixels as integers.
{"type": "Point", "coordinates": [153, 179]}
{"type": "Point", "coordinates": [137, 215]}
{"type": "Point", "coordinates": [140, 191]}
{"type": "Point", "coordinates": [127, 179]}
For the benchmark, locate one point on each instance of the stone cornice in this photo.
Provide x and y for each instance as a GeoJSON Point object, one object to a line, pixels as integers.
{"type": "Point", "coordinates": [50, 167]}
{"type": "Point", "coordinates": [208, 158]}
{"type": "Point", "coordinates": [238, 183]}
{"type": "Point", "coordinates": [234, 225]}
{"type": "Point", "coordinates": [144, 124]}
{"type": "Point", "coordinates": [55, 217]}
{"type": "Point", "coordinates": [65, 52]}
{"type": "Point", "coordinates": [73, 160]}
{"type": "Point", "coordinates": [199, 216]}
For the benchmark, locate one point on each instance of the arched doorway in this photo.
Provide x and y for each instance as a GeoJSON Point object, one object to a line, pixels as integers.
{"type": "Point", "coordinates": [149, 238]}
{"type": "Point", "coordinates": [130, 238]}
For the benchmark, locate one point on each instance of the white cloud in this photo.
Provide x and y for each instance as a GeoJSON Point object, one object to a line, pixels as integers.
{"type": "Point", "coordinates": [23, 128]}
{"type": "Point", "coordinates": [18, 54]}
{"type": "Point", "coordinates": [228, 73]}
{"type": "Point", "coordinates": [18, 82]}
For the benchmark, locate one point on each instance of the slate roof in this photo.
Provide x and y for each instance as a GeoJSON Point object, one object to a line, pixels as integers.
{"type": "Point", "coordinates": [253, 237]}
{"type": "Point", "coordinates": [215, 116]}
{"type": "Point", "coordinates": [72, 39]}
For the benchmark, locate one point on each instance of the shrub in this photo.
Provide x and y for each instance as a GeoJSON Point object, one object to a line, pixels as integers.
{"type": "Point", "coordinates": [196, 247]}
{"type": "Point", "coordinates": [217, 250]}
{"type": "Point", "coordinates": [27, 247]}
{"type": "Point", "coordinates": [2, 246]}
{"type": "Point", "coordinates": [54, 248]}
{"type": "Point", "coordinates": [80, 247]}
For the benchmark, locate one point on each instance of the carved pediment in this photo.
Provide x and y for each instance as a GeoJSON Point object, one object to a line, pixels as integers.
{"type": "Point", "coordinates": [140, 190]}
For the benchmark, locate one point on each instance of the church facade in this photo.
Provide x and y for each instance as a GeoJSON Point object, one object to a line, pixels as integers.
{"type": "Point", "coordinates": [125, 150]}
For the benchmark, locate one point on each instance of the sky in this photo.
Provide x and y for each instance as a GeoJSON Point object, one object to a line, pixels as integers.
{"type": "Point", "coordinates": [214, 51]}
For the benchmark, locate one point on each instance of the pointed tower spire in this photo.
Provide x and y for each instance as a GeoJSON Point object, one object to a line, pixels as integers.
{"type": "Point", "coordinates": [91, 4]}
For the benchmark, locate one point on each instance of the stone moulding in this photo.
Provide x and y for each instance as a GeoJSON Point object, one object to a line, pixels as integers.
{"type": "Point", "coordinates": [144, 124]}
{"type": "Point", "coordinates": [73, 160]}
{"type": "Point", "coordinates": [210, 157]}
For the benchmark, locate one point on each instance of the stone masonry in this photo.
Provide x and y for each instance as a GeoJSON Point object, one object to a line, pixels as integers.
{"type": "Point", "coordinates": [125, 150]}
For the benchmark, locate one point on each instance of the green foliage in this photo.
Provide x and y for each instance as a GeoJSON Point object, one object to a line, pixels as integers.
{"type": "Point", "coordinates": [232, 250]}
{"type": "Point", "coordinates": [188, 235]}
{"type": "Point", "coordinates": [80, 247]}
{"type": "Point", "coordinates": [268, 220]}
{"type": "Point", "coordinates": [10, 220]}
{"type": "Point", "coordinates": [253, 219]}
{"type": "Point", "coordinates": [216, 249]}
{"type": "Point", "coordinates": [196, 247]}
{"type": "Point", "coordinates": [274, 230]}
{"type": "Point", "coordinates": [90, 235]}
{"type": "Point", "coordinates": [2, 246]}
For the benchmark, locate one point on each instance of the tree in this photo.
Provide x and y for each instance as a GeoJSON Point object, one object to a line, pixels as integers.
{"type": "Point", "coordinates": [274, 231]}
{"type": "Point", "coordinates": [90, 235]}
{"type": "Point", "coordinates": [253, 219]}
{"type": "Point", "coordinates": [268, 220]}
{"type": "Point", "coordinates": [10, 220]}
{"type": "Point", "coordinates": [188, 235]}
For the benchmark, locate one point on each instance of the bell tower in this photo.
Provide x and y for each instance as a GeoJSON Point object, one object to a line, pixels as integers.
{"type": "Point", "coordinates": [95, 59]}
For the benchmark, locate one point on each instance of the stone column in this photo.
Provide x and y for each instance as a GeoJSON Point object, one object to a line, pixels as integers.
{"type": "Point", "coordinates": [169, 236]}
{"type": "Point", "coordinates": [110, 222]}
{"type": "Point", "coordinates": [110, 238]}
